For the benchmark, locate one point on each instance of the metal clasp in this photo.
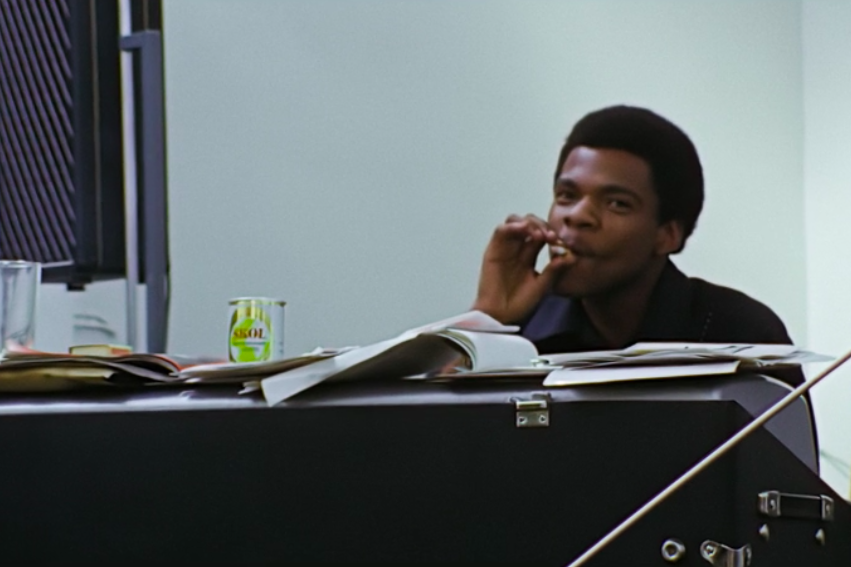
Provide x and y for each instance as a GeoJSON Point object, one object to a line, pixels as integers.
{"type": "Point", "coordinates": [533, 412]}
{"type": "Point", "coordinates": [722, 556]}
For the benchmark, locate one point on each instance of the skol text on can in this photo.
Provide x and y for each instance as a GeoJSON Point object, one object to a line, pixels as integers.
{"type": "Point", "coordinates": [256, 329]}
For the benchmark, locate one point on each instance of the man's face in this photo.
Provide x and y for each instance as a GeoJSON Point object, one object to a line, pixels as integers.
{"type": "Point", "coordinates": [605, 209]}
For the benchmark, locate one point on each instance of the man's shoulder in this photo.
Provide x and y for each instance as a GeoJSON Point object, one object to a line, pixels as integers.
{"type": "Point", "coordinates": [723, 297]}
{"type": "Point", "coordinates": [733, 313]}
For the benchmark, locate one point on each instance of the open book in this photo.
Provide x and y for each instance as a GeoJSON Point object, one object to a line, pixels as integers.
{"type": "Point", "coordinates": [472, 341]}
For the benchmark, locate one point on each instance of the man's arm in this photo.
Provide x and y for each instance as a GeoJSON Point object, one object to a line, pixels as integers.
{"type": "Point", "coordinates": [509, 286]}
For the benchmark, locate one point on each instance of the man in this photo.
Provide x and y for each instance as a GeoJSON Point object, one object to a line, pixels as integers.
{"type": "Point", "coordinates": [627, 194]}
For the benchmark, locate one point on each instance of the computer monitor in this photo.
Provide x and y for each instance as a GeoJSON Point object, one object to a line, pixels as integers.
{"type": "Point", "coordinates": [61, 142]}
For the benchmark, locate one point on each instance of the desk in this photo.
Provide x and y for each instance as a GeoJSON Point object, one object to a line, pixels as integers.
{"type": "Point", "coordinates": [390, 472]}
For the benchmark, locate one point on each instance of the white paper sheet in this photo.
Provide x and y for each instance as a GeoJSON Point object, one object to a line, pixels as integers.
{"type": "Point", "coordinates": [583, 376]}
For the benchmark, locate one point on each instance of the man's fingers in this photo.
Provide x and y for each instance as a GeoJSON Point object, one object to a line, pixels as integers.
{"type": "Point", "coordinates": [534, 219]}
{"type": "Point", "coordinates": [539, 227]}
{"type": "Point", "coordinates": [529, 228]}
{"type": "Point", "coordinates": [513, 218]}
{"type": "Point", "coordinates": [523, 238]}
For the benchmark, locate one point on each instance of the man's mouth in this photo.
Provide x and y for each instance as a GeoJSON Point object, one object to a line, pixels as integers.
{"type": "Point", "coordinates": [579, 249]}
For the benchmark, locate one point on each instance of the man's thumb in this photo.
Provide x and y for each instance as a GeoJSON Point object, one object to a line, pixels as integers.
{"type": "Point", "coordinates": [550, 272]}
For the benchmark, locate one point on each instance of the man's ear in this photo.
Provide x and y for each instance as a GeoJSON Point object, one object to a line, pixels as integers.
{"type": "Point", "coordinates": [669, 237]}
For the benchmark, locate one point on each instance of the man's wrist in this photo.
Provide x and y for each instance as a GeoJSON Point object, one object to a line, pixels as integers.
{"type": "Point", "coordinates": [498, 312]}
{"type": "Point", "coordinates": [488, 309]}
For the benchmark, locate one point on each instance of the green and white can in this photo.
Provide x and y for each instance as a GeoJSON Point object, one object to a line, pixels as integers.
{"type": "Point", "coordinates": [256, 329]}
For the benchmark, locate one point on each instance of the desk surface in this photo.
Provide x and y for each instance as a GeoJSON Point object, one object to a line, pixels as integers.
{"type": "Point", "coordinates": [402, 392]}
{"type": "Point", "coordinates": [754, 393]}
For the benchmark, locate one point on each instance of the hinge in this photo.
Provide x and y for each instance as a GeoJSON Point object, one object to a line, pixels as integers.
{"type": "Point", "coordinates": [775, 504]}
{"type": "Point", "coordinates": [532, 412]}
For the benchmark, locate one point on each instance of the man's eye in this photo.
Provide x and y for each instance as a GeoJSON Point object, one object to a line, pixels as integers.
{"type": "Point", "coordinates": [620, 205]}
{"type": "Point", "coordinates": [565, 196]}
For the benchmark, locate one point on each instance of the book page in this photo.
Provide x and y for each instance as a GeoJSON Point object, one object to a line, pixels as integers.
{"type": "Point", "coordinates": [391, 358]}
{"type": "Point", "coordinates": [493, 351]}
{"type": "Point", "coordinates": [471, 321]}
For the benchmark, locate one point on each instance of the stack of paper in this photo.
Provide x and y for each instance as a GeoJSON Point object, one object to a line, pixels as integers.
{"type": "Point", "coordinates": [246, 372]}
{"type": "Point", "coordinates": [668, 360]}
{"type": "Point", "coordinates": [34, 370]}
{"type": "Point", "coordinates": [30, 370]}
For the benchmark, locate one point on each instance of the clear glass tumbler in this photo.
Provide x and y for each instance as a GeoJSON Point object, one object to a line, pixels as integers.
{"type": "Point", "coordinates": [19, 283]}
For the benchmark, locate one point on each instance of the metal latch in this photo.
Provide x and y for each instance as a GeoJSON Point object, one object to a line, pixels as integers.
{"type": "Point", "coordinates": [775, 504]}
{"type": "Point", "coordinates": [722, 556]}
{"type": "Point", "coordinates": [533, 412]}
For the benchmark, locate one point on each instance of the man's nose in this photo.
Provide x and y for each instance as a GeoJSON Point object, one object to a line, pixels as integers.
{"type": "Point", "coordinates": [583, 213]}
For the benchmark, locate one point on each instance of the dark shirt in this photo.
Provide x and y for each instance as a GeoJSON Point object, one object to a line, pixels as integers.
{"type": "Point", "coordinates": [680, 309]}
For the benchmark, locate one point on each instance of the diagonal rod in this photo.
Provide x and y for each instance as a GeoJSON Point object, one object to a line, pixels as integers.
{"type": "Point", "coordinates": [705, 462]}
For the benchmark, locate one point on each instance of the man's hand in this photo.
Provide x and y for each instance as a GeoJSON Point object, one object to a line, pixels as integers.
{"type": "Point", "coordinates": [509, 286]}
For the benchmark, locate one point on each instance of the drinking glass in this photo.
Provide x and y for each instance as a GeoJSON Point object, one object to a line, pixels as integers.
{"type": "Point", "coordinates": [19, 282]}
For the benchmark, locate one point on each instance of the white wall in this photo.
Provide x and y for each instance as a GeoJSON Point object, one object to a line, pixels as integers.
{"type": "Point", "coordinates": [827, 166]}
{"type": "Point", "coordinates": [352, 158]}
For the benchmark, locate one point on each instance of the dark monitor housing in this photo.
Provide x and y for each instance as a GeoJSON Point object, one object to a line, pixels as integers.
{"type": "Point", "coordinates": [61, 150]}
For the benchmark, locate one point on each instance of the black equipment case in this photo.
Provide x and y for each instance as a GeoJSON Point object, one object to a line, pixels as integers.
{"type": "Point", "coordinates": [414, 472]}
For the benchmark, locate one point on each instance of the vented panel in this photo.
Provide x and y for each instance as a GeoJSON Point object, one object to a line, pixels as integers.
{"type": "Point", "coordinates": [36, 131]}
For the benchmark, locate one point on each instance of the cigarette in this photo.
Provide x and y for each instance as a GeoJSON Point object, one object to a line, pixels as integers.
{"type": "Point", "coordinates": [558, 250]}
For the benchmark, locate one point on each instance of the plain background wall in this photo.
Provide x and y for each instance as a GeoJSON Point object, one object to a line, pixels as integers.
{"type": "Point", "coordinates": [827, 147]}
{"type": "Point", "coordinates": [353, 157]}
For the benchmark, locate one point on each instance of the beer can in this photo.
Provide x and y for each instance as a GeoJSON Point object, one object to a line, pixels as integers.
{"type": "Point", "coordinates": [256, 329]}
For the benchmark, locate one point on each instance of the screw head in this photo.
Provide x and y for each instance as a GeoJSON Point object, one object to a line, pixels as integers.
{"type": "Point", "coordinates": [673, 550]}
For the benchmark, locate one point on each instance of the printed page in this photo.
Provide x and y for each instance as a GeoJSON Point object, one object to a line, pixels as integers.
{"type": "Point", "coordinates": [759, 354]}
{"type": "Point", "coordinates": [657, 354]}
{"type": "Point", "coordinates": [585, 376]}
{"type": "Point", "coordinates": [394, 358]}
